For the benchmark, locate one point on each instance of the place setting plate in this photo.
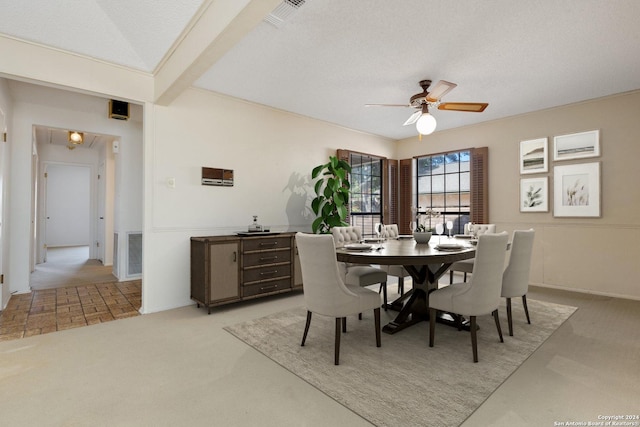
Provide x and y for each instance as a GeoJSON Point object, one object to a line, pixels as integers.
{"type": "Point", "coordinates": [374, 240]}
{"type": "Point", "coordinates": [360, 247]}
{"type": "Point", "coordinates": [452, 247]}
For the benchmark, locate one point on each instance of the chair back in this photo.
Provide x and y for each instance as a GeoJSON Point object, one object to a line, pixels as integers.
{"type": "Point", "coordinates": [345, 235]}
{"type": "Point", "coordinates": [515, 280]}
{"type": "Point", "coordinates": [390, 231]}
{"type": "Point", "coordinates": [483, 294]}
{"type": "Point", "coordinates": [324, 290]}
{"type": "Point", "coordinates": [480, 229]}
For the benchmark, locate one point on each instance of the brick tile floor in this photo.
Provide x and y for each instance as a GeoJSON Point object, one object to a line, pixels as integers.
{"type": "Point", "coordinates": [50, 310]}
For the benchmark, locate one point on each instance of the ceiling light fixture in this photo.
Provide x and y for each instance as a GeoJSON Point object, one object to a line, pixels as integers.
{"type": "Point", "coordinates": [76, 137]}
{"type": "Point", "coordinates": [426, 124]}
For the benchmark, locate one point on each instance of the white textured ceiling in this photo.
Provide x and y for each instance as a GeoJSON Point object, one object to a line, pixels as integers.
{"type": "Point", "coordinates": [333, 56]}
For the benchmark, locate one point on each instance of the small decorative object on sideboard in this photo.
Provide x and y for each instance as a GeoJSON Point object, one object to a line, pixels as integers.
{"type": "Point", "coordinates": [254, 226]}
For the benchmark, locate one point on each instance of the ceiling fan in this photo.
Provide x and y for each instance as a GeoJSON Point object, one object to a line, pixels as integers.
{"type": "Point", "coordinates": [425, 122]}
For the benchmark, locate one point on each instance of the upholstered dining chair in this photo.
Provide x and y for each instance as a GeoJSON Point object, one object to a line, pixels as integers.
{"type": "Point", "coordinates": [466, 266]}
{"type": "Point", "coordinates": [479, 296]}
{"type": "Point", "coordinates": [358, 275]}
{"type": "Point", "coordinates": [390, 231]}
{"type": "Point", "coordinates": [325, 292]}
{"type": "Point", "coordinates": [515, 279]}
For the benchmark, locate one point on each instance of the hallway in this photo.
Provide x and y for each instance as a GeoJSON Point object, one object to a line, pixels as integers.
{"type": "Point", "coordinates": [69, 266]}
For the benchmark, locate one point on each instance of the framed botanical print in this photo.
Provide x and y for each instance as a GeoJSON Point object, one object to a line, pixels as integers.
{"type": "Point", "coordinates": [576, 190]}
{"type": "Point", "coordinates": [534, 194]}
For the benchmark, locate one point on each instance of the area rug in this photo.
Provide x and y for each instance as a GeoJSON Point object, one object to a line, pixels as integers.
{"type": "Point", "coordinates": [404, 382]}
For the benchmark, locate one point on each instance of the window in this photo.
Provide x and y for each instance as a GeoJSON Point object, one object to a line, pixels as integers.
{"type": "Point", "coordinates": [444, 184]}
{"type": "Point", "coordinates": [366, 192]}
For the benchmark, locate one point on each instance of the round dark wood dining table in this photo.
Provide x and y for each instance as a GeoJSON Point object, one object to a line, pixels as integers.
{"type": "Point", "coordinates": [425, 262]}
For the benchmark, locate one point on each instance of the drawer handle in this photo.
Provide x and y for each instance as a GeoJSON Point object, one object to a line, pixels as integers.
{"type": "Point", "coordinates": [270, 273]}
{"type": "Point", "coordinates": [269, 258]}
{"type": "Point", "coordinates": [269, 244]}
{"type": "Point", "coordinates": [266, 288]}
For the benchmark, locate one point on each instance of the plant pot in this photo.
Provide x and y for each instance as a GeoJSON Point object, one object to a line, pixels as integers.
{"type": "Point", "coordinates": [422, 236]}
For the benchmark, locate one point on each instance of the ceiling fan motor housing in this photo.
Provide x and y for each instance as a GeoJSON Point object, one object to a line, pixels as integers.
{"type": "Point", "coordinates": [419, 99]}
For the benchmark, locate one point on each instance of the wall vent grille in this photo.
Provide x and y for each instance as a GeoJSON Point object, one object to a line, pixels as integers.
{"type": "Point", "coordinates": [134, 254]}
{"type": "Point", "coordinates": [283, 12]}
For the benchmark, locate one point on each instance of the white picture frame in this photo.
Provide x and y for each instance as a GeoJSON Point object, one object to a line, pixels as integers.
{"type": "Point", "coordinates": [576, 145]}
{"type": "Point", "coordinates": [533, 156]}
{"type": "Point", "coordinates": [534, 194]}
{"type": "Point", "coordinates": [576, 190]}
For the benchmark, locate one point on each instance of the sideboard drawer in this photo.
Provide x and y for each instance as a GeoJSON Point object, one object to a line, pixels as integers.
{"type": "Point", "coordinates": [266, 243]}
{"type": "Point", "coordinates": [266, 273]}
{"type": "Point", "coordinates": [265, 287]}
{"type": "Point", "coordinates": [263, 258]}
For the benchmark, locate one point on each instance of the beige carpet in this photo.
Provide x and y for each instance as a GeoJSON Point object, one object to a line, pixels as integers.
{"type": "Point", "coordinates": [403, 383]}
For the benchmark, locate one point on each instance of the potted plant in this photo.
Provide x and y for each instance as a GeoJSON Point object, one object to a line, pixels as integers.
{"type": "Point", "coordinates": [422, 232]}
{"type": "Point", "coordinates": [332, 195]}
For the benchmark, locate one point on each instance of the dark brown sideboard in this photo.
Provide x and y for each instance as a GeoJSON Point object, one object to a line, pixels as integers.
{"type": "Point", "coordinates": [227, 269]}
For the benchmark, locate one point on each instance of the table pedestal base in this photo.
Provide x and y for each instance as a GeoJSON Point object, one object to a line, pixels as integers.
{"type": "Point", "coordinates": [416, 309]}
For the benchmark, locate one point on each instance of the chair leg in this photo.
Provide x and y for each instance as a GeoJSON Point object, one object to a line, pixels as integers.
{"type": "Point", "coordinates": [497, 319]}
{"type": "Point", "coordinates": [465, 276]}
{"type": "Point", "coordinates": [337, 345]}
{"type": "Point", "coordinates": [376, 315]}
{"type": "Point", "coordinates": [451, 277]}
{"type": "Point", "coordinates": [359, 316]}
{"type": "Point", "coordinates": [526, 309]}
{"type": "Point", "coordinates": [401, 285]}
{"type": "Point", "coordinates": [384, 294]}
{"type": "Point", "coordinates": [474, 339]}
{"type": "Point", "coordinates": [509, 317]}
{"type": "Point", "coordinates": [344, 324]}
{"type": "Point", "coordinates": [432, 326]}
{"type": "Point", "coordinates": [306, 328]}
{"type": "Point", "coordinates": [458, 321]}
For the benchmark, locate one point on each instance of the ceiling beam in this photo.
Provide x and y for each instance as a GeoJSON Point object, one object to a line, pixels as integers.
{"type": "Point", "coordinates": [220, 25]}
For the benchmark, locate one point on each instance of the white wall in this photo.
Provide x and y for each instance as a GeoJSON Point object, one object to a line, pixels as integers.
{"type": "Point", "coordinates": [272, 154]}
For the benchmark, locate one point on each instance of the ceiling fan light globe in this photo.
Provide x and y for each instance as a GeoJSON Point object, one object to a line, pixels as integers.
{"type": "Point", "coordinates": [426, 124]}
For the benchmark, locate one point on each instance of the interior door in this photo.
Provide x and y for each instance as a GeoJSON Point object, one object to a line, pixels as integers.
{"type": "Point", "coordinates": [68, 205]}
{"type": "Point", "coordinates": [4, 296]}
{"type": "Point", "coordinates": [100, 238]}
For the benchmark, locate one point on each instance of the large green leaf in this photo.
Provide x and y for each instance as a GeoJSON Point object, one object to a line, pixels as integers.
{"type": "Point", "coordinates": [318, 186]}
{"type": "Point", "coordinates": [315, 205]}
{"type": "Point", "coordinates": [342, 211]}
{"type": "Point", "coordinates": [328, 193]}
{"type": "Point", "coordinates": [317, 170]}
{"type": "Point", "coordinates": [327, 209]}
{"type": "Point", "coordinates": [315, 226]}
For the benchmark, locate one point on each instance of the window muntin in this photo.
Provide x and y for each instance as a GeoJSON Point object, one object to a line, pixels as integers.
{"type": "Point", "coordinates": [443, 184]}
{"type": "Point", "coordinates": [366, 192]}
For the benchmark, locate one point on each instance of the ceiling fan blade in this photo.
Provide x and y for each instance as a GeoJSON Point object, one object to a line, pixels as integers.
{"type": "Point", "coordinates": [387, 105]}
{"type": "Point", "coordinates": [439, 90]}
{"type": "Point", "coordinates": [474, 107]}
{"type": "Point", "coordinates": [414, 118]}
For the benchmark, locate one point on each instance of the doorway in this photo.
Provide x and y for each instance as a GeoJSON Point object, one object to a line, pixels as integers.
{"type": "Point", "coordinates": [72, 206]}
